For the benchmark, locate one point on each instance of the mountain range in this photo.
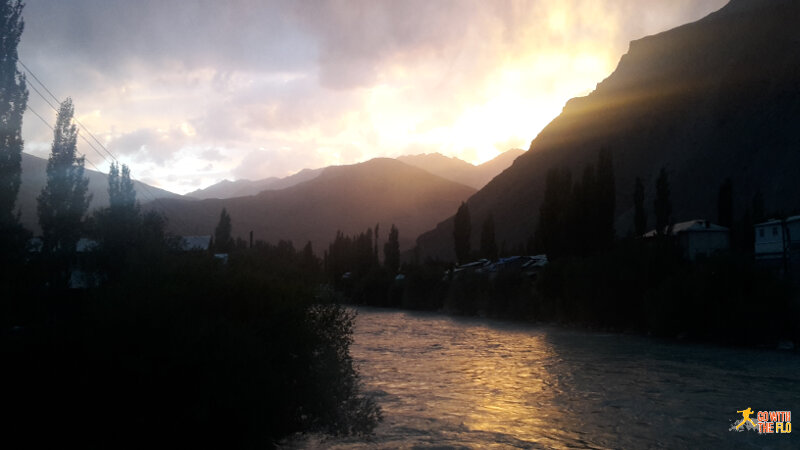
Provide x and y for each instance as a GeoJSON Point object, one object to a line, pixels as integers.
{"type": "Point", "coordinates": [714, 99]}
{"type": "Point", "coordinates": [460, 171]}
{"type": "Point", "coordinates": [347, 198]}
{"type": "Point", "coordinates": [241, 188]}
{"type": "Point", "coordinates": [450, 168]}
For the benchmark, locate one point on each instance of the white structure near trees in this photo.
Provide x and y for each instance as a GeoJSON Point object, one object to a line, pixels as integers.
{"type": "Point", "coordinates": [698, 237]}
{"type": "Point", "coordinates": [777, 239]}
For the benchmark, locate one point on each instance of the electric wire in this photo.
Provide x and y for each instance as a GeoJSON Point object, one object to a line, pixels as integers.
{"type": "Point", "coordinates": [146, 188]}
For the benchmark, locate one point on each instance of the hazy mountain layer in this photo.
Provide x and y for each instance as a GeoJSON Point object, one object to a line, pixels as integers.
{"type": "Point", "coordinates": [716, 98]}
{"type": "Point", "coordinates": [347, 198]}
{"type": "Point", "coordinates": [241, 188]}
{"type": "Point", "coordinates": [448, 168]}
{"type": "Point", "coordinates": [461, 171]}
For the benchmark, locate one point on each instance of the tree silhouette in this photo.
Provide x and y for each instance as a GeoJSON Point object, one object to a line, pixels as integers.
{"type": "Point", "coordinates": [391, 251]}
{"type": "Point", "coordinates": [488, 243]}
{"type": "Point", "coordinates": [117, 226]}
{"type": "Point", "coordinates": [461, 233]}
{"type": "Point", "coordinates": [639, 213]}
{"type": "Point", "coordinates": [551, 232]}
{"type": "Point", "coordinates": [63, 202]}
{"type": "Point", "coordinates": [13, 101]}
{"type": "Point", "coordinates": [662, 205]}
{"type": "Point", "coordinates": [725, 204]}
{"type": "Point", "coordinates": [223, 242]}
{"type": "Point", "coordinates": [605, 196]}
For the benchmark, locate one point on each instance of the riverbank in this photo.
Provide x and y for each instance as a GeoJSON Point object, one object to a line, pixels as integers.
{"type": "Point", "coordinates": [634, 288]}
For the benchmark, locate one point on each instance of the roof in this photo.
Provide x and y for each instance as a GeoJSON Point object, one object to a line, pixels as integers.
{"type": "Point", "coordinates": [696, 225]}
{"type": "Point", "coordinates": [777, 221]}
{"type": "Point", "coordinates": [189, 243]}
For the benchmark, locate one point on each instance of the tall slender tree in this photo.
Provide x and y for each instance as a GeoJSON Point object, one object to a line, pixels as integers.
{"type": "Point", "coordinates": [551, 231]}
{"type": "Point", "coordinates": [725, 204]}
{"type": "Point", "coordinates": [639, 213]}
{"type": "Point", "coordinates": [223, 240]}
{"type": "Point", "coordinates": [118, 226]}
{"type": "Point", "coordinates": [462, 230]}
{"type": "Point", "coordinates": [488, 243]}
{"type": "Point", "coordinates": [63, 202]}
{"type": "Point", "coordinates": [662, 205]}
{"type": "Point", "coordinates": [606, 197]}
{"type": "Point", "coordinates": [391, 250]}
{"type": "Point", "coordinates": [13, 101]}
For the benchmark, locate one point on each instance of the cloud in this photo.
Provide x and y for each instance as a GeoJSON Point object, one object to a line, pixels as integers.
{"type": "Point", "coordinates": [194, 90]}
{"type": "Point", "coordinates": [154, 145]}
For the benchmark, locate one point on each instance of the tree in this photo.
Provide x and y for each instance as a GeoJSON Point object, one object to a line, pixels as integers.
{"type": "Point", "coordinates": [606, 197]}
{"type": "Point", "coordinates": [488, 244]}
{"type": "Point", "coordinates": [223, 242]}
{"type": "Point", "coordinates": [13, 101]}
{"type": "Point", "coordinates": [639, 213]}
{"type": "Point", "coordinates": [391, 251]}
{"type": "Point", "coordinates": [117, 226]}
{"type": "Point", "coordinates": [461, 233]}
{"type": "Point", "coordinates": [725, 204]}
{"type": "Point", "coordinates": [63, 202]}
{"type": "Point", "coordinates": [662, 204]}
{"type": "Point", "coordinates": [551, 232]}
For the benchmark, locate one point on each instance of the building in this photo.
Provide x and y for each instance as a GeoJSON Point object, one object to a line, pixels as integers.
{"type": "Point", "coordinates": [777, 239]}
{"type": "Point", "coordinates": [699, 238]}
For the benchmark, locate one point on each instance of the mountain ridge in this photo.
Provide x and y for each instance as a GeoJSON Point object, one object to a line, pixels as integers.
{"type": "Point", "coordinates": [450, 168]}
{"type": "Point", "coordinates": [707, 100]}
{"type": "Point", "coordinates": [347, 198]}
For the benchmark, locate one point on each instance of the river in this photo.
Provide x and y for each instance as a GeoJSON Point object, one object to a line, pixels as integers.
{"type": "Point", "coordinates": [446, 382]}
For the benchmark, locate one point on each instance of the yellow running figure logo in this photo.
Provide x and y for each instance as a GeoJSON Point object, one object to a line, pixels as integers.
{"type": "Point", "coordinates": [746, 417]}
{"type": "Point", "coordinates": [766, 422]}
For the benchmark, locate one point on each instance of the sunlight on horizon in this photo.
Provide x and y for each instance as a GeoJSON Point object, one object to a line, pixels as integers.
{"type": "Point", "coordinates": [466, 83]}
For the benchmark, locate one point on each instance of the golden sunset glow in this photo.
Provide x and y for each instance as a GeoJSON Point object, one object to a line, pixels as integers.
{"type": "Point", "coordinates": [373, 79]}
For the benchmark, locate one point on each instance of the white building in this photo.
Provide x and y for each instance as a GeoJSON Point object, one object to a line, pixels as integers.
{"type": "Point", "coordinates": [699, 237]}
{"type": "Point", "coordinates": [776, 238]}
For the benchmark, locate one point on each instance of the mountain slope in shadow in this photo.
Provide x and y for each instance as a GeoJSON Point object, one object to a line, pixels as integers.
{"type": "Point", "coordinates": [712, 99]}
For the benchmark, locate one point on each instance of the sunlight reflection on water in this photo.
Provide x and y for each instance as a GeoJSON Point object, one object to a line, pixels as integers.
{"type": "Point", "coordinates": [446, 382]}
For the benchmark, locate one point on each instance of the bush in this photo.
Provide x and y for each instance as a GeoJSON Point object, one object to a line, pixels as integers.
{"type": "Point", "coordinates": [200, 354]}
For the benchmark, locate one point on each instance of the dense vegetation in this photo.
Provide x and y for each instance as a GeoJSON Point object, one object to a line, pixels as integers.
{"type": "Point", "coordinates": [182, 350]}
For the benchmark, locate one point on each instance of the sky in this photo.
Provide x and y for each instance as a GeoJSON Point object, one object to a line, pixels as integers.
{"type": "Point", "coordinates": [191, 92]}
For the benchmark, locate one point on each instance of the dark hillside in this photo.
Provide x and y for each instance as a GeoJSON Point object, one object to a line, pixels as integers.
{"type": "Point", "coordinates": [713, 99]}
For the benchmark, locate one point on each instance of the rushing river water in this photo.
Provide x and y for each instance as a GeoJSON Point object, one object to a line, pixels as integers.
{"type": "Point", "coordinates": [446, 382]}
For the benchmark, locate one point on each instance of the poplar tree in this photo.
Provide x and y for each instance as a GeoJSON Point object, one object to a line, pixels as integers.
{"type": "Point", "coordinates": [488, 243]}
{"type": "Point", "coordinates": [117, 226]}
{"type": "Point", "coordinates": [13, 102]}
{"type": "Point", "coordinates": [223, 242]}
{"type": "Point", "coordinates": [725, 204]}
{"type": "Point", "coordinates": [461, 233]}
{"type": "Point", "coordinates": [606, 196]}
{"type": "Point", "coordinates": [63, 202]}
{"type": "Point", "coordinates": [639, 213]}
{"type": "Point", "coordinates": [662, 205]}
{"type": "Point", "coordinates": [391, 250]}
